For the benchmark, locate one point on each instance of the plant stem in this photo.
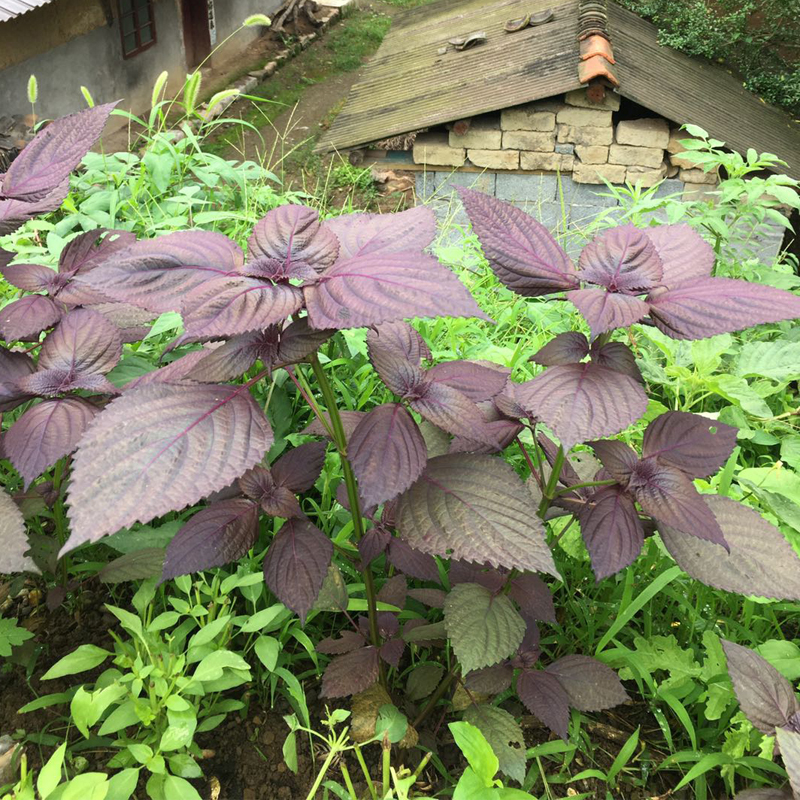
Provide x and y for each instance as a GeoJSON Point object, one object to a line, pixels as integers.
{"type": "Point", "coordinates": [352, 495]}
{"type": "Point", "coordinates": [533, 469]}
{"type": "Point", "coordinates": [585, 485]}
{"type": "Point", "coordinates": [434, 698]}
{"type": "Point", "coordinates": [550, 490]}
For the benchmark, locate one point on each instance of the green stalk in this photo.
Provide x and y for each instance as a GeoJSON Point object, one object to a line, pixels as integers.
{"type": "Point", "coordinates": [434, 699]}
{"type": "Point", "coordinates": [585, 485]}
{"type": "Point", "coordinates": [550, 489]}
{"type": "Point", "coordinates": [352, 495]}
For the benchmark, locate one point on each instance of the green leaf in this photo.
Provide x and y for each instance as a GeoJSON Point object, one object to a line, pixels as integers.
{"type": "Point", "coordinates": [164, 620]}
{"type": "Point", "coordinates": [262, 618]}
{"type": "Point", "coordinates": [179, 733]}
{"type": "Point", "coordinates": [11, 636]}
{"type": "Point", "coordinates": [778, 360]}
{"type": "Point", "coordinates": [504, 735]}
{"type": "Point", "coordinates": [471, 786]}
{"type": "Point", "coordinates": [662, 653]}
{"type": "Point", "coordinates": [129, 541]}
{"type": "Point", "coordinates": [87, 656]}
{"type": "Point", "coordinates": [121, 717]}
{"type": "Point", "coordinates": [778, 488]}
{"type": "Point", "coordinates": [623, 757]}
{"type": "Point", "coordinates": [783, 655]}
{"type": "Point", "coordinates": [392, 722]}
{"type": "Point", "coordinates": [176, 788]}
{"type": "Point", "coordinates": [141, 752]}
{"type": "Point", "coordinates": [209, 632]}
{"type": "Point", "coordinates": [50, 774]}
{"type": "Point", "coordinates": [422, 680]}
{"type": "Point", "coordinates": [476, 750]}
{"type": "Point", "coordinates": [129, 621]}
{"type": "Point", "coordinates": [212, 666]}
{"type": "Point", "coordinates": [482, 627]}
{"type": "Point", "coordinates": [122, 784]}
{"type": "Point", "coordinates": [790, 451]}
{"type": "Point", "coordinates": [184, 766]}
{"type": "Point", "coordinates": [333, 595]}
{"type": "Point", "coordinates": [47, 700]}
{"type": "Point", "coordinates": [290, 751]}
{"type": "Point", "coordinates": [267, 649]}
{"type": "Point", "coordinates": [143, 563]}
{"type": "Point", "coordinates": [89, 786]}
{"type": "Point", "coordinates": [738, 391]}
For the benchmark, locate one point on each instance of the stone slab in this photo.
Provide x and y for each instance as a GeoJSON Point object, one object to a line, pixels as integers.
{"type": "Point", "coordinates": [539, 141]}
{"type": "Point", "coordinates": [527, 188]}
{"type": "Point", "coordinates": [635, 156]}
{"type": "Point", "coordinates": [648, 132]}
{"type": "Point", "coordinates": [578, 97]}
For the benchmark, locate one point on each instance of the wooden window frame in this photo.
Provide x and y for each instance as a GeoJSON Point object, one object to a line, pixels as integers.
{"type": "Point", "coordinates": [137, 28]}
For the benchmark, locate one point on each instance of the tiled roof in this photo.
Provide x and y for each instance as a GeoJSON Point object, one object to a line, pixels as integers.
{"type": "Point", "coordinates": [14, 8]}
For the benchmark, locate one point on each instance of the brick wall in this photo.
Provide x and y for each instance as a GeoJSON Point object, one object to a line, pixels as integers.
{"type": "Point", "coordinates": [569, 135]}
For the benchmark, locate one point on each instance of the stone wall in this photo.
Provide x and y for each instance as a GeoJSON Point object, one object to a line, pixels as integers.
{"type": "Point", "coordinates": [567, 135]}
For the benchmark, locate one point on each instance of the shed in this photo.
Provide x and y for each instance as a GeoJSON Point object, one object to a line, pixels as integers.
{"type": "Point", "coordinates": [587, 94]}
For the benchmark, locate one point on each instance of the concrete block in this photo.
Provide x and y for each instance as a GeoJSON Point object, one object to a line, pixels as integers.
{"type": "Point", "coordinates": [596, 173]}
{"type": "Point", "coordinates": [583, 194]}
{"type": "Point", "coordinates": [484, 134]}
{"type": "Point", "coordinates": [592, 153]}
{"type": "Point", "coordinates": [541, 142]}
{"type": "Point", "coordinates": [494, 159]}
{"type": "Point", "coordinates": [527, 188]}
{"type": "Point", "coordinates": [650, 132]}
{"type": "Point", "coordinates": [635, 156]}
{"type": "Point", "coordinates": [424, 185]}
{"type": "Point", "coordinates": [550, 162]}
{"type": "Point", "coordinates": [434, 149]}
{"type": "Point", "coordinates": [565, 149]}
{"type": "Point", "coordinates": [445, 183]}
{"type": "Point", "coordinates": [697, 176]}
{"type": "Point", "coordinates": [646, 176]}
{"type": "Point", "coordinates": [529, 117]}
{"type": "Point", "coordinates": [571, 134]}
{"type": "Point", "coordinates": [584, 117]}
{"type": "Point", "coordinates": [578, 98]}
{"type": "Point", "coordinates": [669, 187]}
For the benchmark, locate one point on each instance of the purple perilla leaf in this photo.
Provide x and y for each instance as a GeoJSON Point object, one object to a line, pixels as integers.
{"type": "Point", "coordinates": [45, 433]}
{"type": "Point", "coordinates": [13, 367]}
{"type": "Point", "coordinates": [156, 274]}
{"type": "Point", "coordinates": [760, 561]}
{"type": "Point", "coordinates": [450, 410]}
{"type": "Point", "coordinates": [158, 449]}
{"type": "Point", "coordinates": [351, 673]}
{"type": "Point", "coordinates": [475, 381]}
{"type": "Point", "coordinates": [178, 371]}
{"type": "Point", "coordinates": [298, 340]}
{"type": "Point", "coordinates": [394, 592]}
{"type": "Point", "coordinates": [490, 680]}
{"type": "Point", "coordinates": [33, 278]}
{"type": "Point", "coordinates": [387, 453]}
{"type": "Point", "coordinates": [76, 355]}
{"type": "Point", "coordinates": [605, 310]}
{"type": "Point", "coordinates": [373, 544]}
{"type": "Point", "coordinates": [565, 348]}
{"type": "Point", "coordinates": [616, 356]}
{"type": "Point", "coordinates": [462, 571]}
{"type": "Point", "coordinates": [611, 529]}
{"type": "Point", "coordinates": [232, 305]}
{"type": "Point", "coordinates": [622, 259]}
{"type": "Point", "coordinates": [293, 236]}
{"type": "Point", "coordinates": [47, 160]}
{"type": "Point", "coordinates": [90, 249]}
{"type": "Point", "coordinates": [296, 565]}
{"type": "Point", "coordinates": [474, 507]}
{"type": "Point", "coordinates": [350, 420]}
{"type": "Point", "coordinates": [277, 501]}
{"type": "Point", "coordinates": [385, 287]}
{"type": "Point", "coordinates": [617, 457]}
{"type": "Point", "coordinates": [13, 540]}
{"type": "Point", "coordinates": [703, 307]}
{"type": "Point", "coordinates": [590, 685]}
{"type": "Point", "coordinates": [396, 339]}
{"type": "Point", "coordinates": [299, 468]}
{"type": "Point", "coordinates": [694, 444]}
{"type": "Point", "coordinates": [545, 697]}
{"type": "Point", "coordinates": [669, 496]}
{"type": "Point", "coordinates": [789, 743]}
{"type": "Point", "coordinates": [683, 252]}
{"type": "Point", "coordinates": [411, 561]}
{"type": "Point", "coordinates": [14, 213]}
{"type": "Point", "coordinates": [498, 434]}
{"type": "Point", "coordinates": [521, 251]}
{"type": "Point", "coordinates": [214, 536]}
{"type": "Point", "coordinates": [28, 317]}
{"type": "Point", "coordinates": [766, 698]}
{"type": "Point", "coordinates": [533, 597]}
{"type": "Point", "coordinates": [346, 643]}
{"type": "Point", "coordinates": [583, 401]}
{"type": "Point", "coordinates": [367, 234]}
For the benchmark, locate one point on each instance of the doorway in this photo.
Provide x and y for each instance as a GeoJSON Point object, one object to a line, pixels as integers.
{"type": "Point", "coordinates": [196, 35]}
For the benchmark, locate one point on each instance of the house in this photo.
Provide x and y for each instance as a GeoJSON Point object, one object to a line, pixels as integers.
{"type": "Point", "coordinates": [585, 95]}
{"type": "Point", "coordinates": [115, 48]}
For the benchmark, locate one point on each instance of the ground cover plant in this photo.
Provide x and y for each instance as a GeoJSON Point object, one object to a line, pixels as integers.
{"type": "Point", "coordinates": [399, 522]}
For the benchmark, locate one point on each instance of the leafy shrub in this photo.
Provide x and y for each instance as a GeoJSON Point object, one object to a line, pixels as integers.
{"type": "Point", "coordinates": [428, 497]}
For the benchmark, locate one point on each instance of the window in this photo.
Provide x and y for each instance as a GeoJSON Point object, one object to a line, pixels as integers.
{"type": "Point", "coordinates": [137, 26]}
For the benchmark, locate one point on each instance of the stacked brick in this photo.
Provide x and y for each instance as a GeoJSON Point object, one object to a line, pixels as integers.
{"type": "Point", "coordinates": [569, 135]}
